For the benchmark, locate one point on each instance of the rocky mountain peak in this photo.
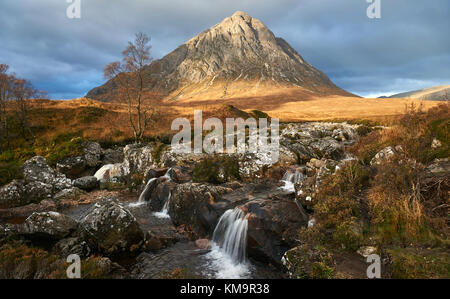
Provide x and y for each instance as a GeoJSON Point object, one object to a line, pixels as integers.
{"type": "Point", "coordinates": [240, 49]}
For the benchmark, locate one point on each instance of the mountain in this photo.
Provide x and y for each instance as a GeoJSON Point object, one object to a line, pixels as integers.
{"type": "Point", "coordinates": [238, 58]}
{"type": "Point", "coordinates": [436, 93]}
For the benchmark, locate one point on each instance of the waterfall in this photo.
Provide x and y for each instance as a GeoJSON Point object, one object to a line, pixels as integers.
{"type": "Point", "coordinates": [231, 234]}
{"type": "Point", "coordinates": [227, 258]}
{"type": "Point", "coordinates": [147, 189]}
{"type": "Point", "coordinates": [165, 210]}
{"type": "Point", "coordinates": [290, 179]}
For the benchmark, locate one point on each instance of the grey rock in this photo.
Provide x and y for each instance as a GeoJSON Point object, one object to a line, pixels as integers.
{"type": "Point", "coordinates": [111, 229]}
{"type": "Point", "coordinates": [87, 183]}
{"type": "Point", "coordinates": [49, 224]}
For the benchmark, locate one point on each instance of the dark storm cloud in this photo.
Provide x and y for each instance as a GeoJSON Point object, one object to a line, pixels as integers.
{"type": "Point", "coordinates": [408, 48]}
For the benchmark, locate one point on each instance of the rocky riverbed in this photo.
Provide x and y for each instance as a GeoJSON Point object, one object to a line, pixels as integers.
{"type": "Point", "coordinates": [147, 214]}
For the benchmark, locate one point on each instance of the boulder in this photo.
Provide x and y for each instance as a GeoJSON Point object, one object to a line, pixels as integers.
{"type": "Point", "coordinates": [51, 225]}
{"type": "Point", "coordinates": [193, 204]}
{"type": "Point", "coordinates": [36, 169]}
{"type": "Point", "coordinates": [152, 173]}
{"type": "Point", "coordinates": [161, 192]}
{"type": "Point", "coordinates": [92, 153]}
{"type": "Point", "coordinates": [12, 195]}
{"type": "Point", "coordinates": [111, 229]}
{"type": "Point", "coordinates": [87, 183]}
{"type": "Point", "coordinates": [273, 226]}
{"type": "Point", "coordinates": [72, 167]}
{"type": "Point", "coordinates": [385, 155]}
{"type": "Point", "coordinates": [137, 159]}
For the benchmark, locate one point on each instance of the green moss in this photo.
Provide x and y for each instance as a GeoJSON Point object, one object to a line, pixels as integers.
{"type": "Point", "coordinates": [408, 263]}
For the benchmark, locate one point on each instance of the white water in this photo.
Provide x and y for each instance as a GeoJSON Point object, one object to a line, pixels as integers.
{"type": "Point", "coordinates": [165, 210]}
{"type": "Point", "coordinates": [142, 196]}
{"type": "Point", "coordinates": [229, 243]}
{"type": "Point", "coordinates": [100, 174]}
{"type": "Point", "coordinates": [290, 179]}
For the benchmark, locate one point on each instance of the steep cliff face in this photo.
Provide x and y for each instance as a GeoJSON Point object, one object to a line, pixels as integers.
{"type": "Point", "coordinates": [240, 51]}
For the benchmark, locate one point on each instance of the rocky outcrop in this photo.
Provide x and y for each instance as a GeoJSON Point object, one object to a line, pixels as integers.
{"type": "Point", "coordinates": [316, 170]}
{"type": "Point", "coordinates": [74, 167]}
{"type": "Point", "coordinates": [137, 159]}
{"type": "Point", "coordinates": [39, 182]}
{"type": "Point", "coordinates": [272, 227]}
{"type": "Point", "coordinates": [111, 229]}
{"type": "Point", "coordinates": [195, 205]}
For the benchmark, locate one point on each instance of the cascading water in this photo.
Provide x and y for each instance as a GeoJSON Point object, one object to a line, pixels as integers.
{"type": "Point", "coordinates": [231, 234]}
{"type": "Point", "coordinates": [146, 190]}
{"type": "Point", "coordinates": [165, 210]}
{"type": "Point", "coordinates": [290, 178]}
{"type": "Point", "coordinates": [228, 253]}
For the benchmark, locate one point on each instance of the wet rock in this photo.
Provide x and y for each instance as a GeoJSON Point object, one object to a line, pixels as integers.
{"type": "Point", "coordinates": [50, 225]}
{"type": "Point", "coordinates": [203, 244]}
{"type": "Point", "coordinates": [111, 229]}
{"type": "Point", "coordinates": [87, 183]}
{"type": "Point", "coordinates": [161, 192]}
{"type": "Point", "coordinates": [152, 173]}
{"type": "Point", "coordinates": [193, 204]}
{"type": "Point", "coordinates": [273, 227]}
{"type": "Point", "coordinates": [178, 175]}
{"type": "Point", "coordinates": [158, 239]}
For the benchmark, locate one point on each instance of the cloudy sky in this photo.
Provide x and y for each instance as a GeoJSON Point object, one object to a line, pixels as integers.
{"type": "Point", "coordinates": [407, 49]}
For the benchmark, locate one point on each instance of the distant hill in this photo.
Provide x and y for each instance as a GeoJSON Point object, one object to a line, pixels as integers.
{"type": "Point", "coordinates": [437, 93]}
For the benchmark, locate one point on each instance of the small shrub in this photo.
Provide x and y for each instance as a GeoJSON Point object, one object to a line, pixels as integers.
{"type": "Point", "coordinates": [348, 235]}
{"type": "Point", "coordinates": [217, 169]}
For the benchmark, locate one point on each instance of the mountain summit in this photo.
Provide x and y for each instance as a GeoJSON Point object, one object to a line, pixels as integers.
{"type": "Point", "coordinates": [239, 57]}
